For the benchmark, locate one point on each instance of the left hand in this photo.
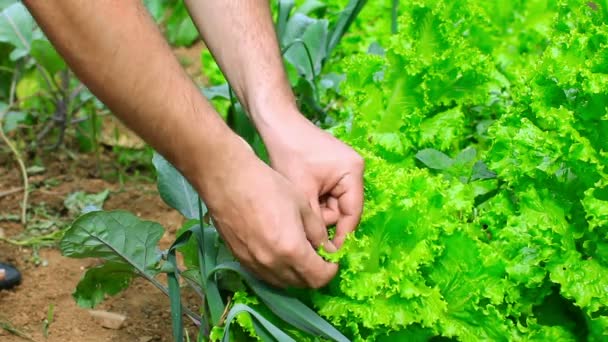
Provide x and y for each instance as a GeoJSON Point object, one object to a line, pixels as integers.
{"type": "Point", "coordinates": [328, 171]}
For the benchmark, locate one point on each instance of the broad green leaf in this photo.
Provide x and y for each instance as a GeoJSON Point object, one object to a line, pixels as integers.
{"type": "Point", "coordinates": [175, 189]}
{"type": "Point", "coordinates": [481, 171]}
{"type": "Point", "coordinates": [240, 123]}
{"type": "Point", "coordinates": [115, 236]}
{"type": "Point", "coordinates": [29, 86]}
{"type": "Point", "coordinates": [284, 8]}
{"type": "Point", "coordinates": [108, 279]}
{"type": "Point", "coordinates": [180, 29]}
{"type": "Point", "coordinates": [434, 159]}
{"type": "Point", "coordinates": [466, 156]}
{"type": "Point", "coordinates": [45, 54]}
{"type": "Point", "coordinates": [189, 250]}
{"type": "Point", "coordinates": [156, 8]}
{"type": "Point", "coordinates": [304, 43]}
{"type": "Point", "coordinates": [17, 28]}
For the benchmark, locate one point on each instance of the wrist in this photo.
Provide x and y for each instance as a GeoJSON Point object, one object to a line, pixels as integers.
{"type": "Point", "coordinates": [269, 102]}
{"type": "Point", "coordinates": [279, 127]}
{"type": "Point", "coordinates": [231, 155]}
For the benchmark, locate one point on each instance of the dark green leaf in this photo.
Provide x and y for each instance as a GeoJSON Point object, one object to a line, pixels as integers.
{"type": "Point", "coordinates": [156, 8]}
{"type": "Point", "coordinates": [175, 189]}
{"type": "Point", "coordinates": [240, 123]}
{"type": "Point", "coordinates": [181, 31]}
{"type": "Point", "coordinates": [189, 250]}
{"type": "Point", "coordinates": [116, 236]}
{"type": "Point", "coordinates": [481, 171]}
{"type": "Point", "coordinates": [305, 42]}
{"type": "Point", "coordinates": [434, 159]}
{"type": "Point", "coordinates": [284, 10]}
{"type": "Point", "coordinates": [46, 55]}
{"type": "Point", "coordinates": [466, 156]}
{"type": "Point", "coordinates": [107, 279]}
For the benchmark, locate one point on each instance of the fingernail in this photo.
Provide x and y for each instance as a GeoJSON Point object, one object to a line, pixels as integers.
{"type": "Point", "coordinates": [330, 247]}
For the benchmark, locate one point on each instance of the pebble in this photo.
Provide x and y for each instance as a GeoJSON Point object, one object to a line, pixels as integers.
{"type": "Point", "coordinates": [106, 319]}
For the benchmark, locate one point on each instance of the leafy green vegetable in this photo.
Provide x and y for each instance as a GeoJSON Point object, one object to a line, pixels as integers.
{"type": "Point", "coordinates": [483, 127]}
{"type": "Point", "coordinates": [504, 104]}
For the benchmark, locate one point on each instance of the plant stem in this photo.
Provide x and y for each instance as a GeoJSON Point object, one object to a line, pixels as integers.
{"type": "Point", "coordinates": [188, 312]}
{"type": "Point", "coordinates": [15, 151]}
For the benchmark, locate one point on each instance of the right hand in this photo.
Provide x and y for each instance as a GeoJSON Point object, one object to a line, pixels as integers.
{"type": "Point", "coordinates": [268, 225]}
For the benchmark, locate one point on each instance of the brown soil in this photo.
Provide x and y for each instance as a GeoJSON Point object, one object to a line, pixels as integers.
{"type": "Point", "coordinates": [52, 281]}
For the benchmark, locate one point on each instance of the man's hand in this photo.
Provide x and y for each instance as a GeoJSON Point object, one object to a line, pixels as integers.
{"type": "Point", "coordinates": [267, 223]}
{"type": "Point", "coordinates": [328, 171]}
{"type": "Point", "coordinates": [244, 44]}
{"type": "Point", "coordinates": [117, 51]}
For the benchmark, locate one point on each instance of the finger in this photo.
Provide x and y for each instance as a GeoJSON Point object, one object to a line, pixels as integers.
{"type": "Point", "coordinates": [279, 277]}
{"type": "Point", "coordinates": [315, 230]}
{"type": "Point", "coordinates": [314, 204]}
{"type": "Point", "coordinates": [349, 193]}
{"type": "Point", "coordinates": [314, 270]}
{"type": "Point", "coordinates": [330, 211]}
{"type": "Point", "coordinates": [284, 277]}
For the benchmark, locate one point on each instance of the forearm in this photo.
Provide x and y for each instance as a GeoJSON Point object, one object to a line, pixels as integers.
{"type": "Point", "coordinates": [116, 50]}
{"type": "Point", "coordinates": [241, 36]}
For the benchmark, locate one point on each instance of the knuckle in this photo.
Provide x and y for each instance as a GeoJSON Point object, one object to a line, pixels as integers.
{"type": "Point", "coordinates": [358, 162]}
{"type": "Point", "coordinates": [265, 258]}
{"type": "Point", "coordinates": [316, 283]}
{"type": "Point", "coordinates": [288, 249]}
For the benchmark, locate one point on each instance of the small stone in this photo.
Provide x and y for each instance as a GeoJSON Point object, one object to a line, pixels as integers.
{"type": "Point", "coordinates": [107, 319]}
{"type": "Point", "coordinates": [146, 339]}
{"type": "Point", "coordinates": [2, 235]}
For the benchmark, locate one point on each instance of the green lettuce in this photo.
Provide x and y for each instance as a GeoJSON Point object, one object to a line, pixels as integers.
{"type": "Point", "coordinates": [484, 129]}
